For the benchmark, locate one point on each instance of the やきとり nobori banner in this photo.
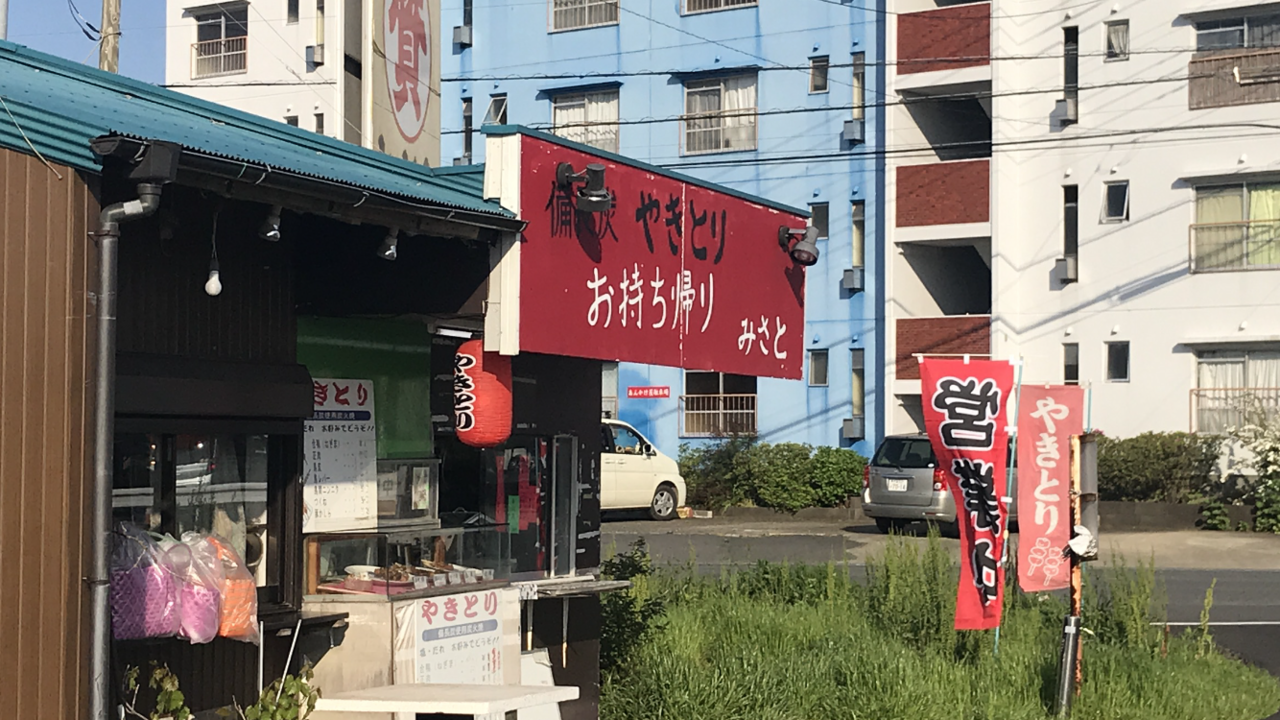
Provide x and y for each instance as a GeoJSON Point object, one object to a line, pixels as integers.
{"type": "Point", "coordinates": [1048, 415]}
{"type": "Point", "coordinates": [965, 412]}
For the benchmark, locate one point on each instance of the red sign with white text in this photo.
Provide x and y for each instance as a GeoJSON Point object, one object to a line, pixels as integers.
{"type": "Point", "coordinates": [663, 391]}
{"type": "Point", "coordinates": [674, 274]}
{"type": "Point", "coordinates": [964, 413]}
{"type": "Point", "coordinates": [1047, 418]}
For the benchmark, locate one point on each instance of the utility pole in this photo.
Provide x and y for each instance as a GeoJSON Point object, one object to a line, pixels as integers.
{"type": "Point", "coordinates": [109, 50]}
{"type": "Point", "coordinates": [4, 19]}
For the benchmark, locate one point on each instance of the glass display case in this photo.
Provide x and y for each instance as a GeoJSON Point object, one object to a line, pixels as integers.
{"type": "Point", "coordinates": [408, 491]}
{"type": "Point", "coordinates": [398, 562]}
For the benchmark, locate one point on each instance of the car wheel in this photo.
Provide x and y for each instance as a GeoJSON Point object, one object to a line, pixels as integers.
{"type": "Point", "coordinates": [663, 506]}
{"type": "Point", "coordinates": [885, 525]}
{"type": "Point", "coordinates": [949, 529]}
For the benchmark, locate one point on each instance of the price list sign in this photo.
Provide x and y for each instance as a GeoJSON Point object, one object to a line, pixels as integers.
{"type": "Point", "coordinates": [340, 490]}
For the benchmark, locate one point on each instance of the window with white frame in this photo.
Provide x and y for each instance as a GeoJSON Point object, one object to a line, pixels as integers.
{"type": "Point", "coordinates": [1118, 40]}
{"type": "Point", "coordinates": [720, 114]}
{"type": "Point", "coordinates": [589, 118]}
{"type": "Point", "coordinates": [819, 68]}
{"type": "Point", "coordinates": [1237, 227]}
{"type": "Point", "coordinates": [1262, 31]}
{"type": "Point", "coordinates": [1118, 361]}
{"type": "Point", "coordinates": [578, 14]}
{"type": "Point", "coordinates": [697, 6]}
{"type": "Point", "coordinates": [1115, 206]}
{"type": "Point", "coordinates": [859, 86]}
{"type": "Point", "coordinates": [717, 404]}
{"type": "Point", "coordinates": [497, 112]}
{"type": "Point", "coordinates": [1236, 388]}
{"type": "Point", "coordinates": [221, 46]}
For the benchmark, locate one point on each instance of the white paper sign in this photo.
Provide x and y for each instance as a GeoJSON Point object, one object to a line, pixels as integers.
{"type": "Point", "coordinates": [460, 638]}
{"type": "Point", "coordinates": [340, 472]}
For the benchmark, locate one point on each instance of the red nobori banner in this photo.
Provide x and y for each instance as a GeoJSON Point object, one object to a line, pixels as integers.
{"type": "Point", "coordinates": [964, 412]}
{"type": "Point", "coordinates": [1047, 418]}
{"type": "Point", "coordinates": [674, 274]}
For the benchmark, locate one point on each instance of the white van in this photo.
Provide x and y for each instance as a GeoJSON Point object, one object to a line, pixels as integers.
{"type": "Point", "coordinates": [634, 475]}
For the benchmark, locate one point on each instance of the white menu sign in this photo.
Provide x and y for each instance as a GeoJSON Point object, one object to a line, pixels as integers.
{"type": "Point", "coordinates": [340, 469]}
{"type": "Point", "coordinates": [459, 638]}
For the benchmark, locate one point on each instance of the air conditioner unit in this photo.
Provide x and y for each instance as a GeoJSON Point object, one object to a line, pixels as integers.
{"type": "Point", "coordinates": [315, 55]}
{"type": "Point", "coordinates": [854, 280]}
{"type": "Point", "coordinates": [1068, 269]}
{"type": "Point", "coordinates": [854, 131]}
{"type": "Point", "coordinates": [462, 36]}
{"type": "Point", "coordinates": [854, 428]}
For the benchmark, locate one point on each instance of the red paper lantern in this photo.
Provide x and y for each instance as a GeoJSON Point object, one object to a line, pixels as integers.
{"type": "Point", "coordinates": [481, 395]}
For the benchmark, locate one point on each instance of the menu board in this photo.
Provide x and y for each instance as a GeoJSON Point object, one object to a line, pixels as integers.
{"type": "Point", "coordinates": [460, 639]}
{"type": "Point", "coordinates": [340, 472]}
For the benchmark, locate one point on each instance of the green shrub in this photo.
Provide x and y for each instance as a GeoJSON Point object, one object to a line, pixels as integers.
{"type": "Point", "coordinates": [836, 476]}
{"type": "Point", "coordinates": [630, 617]}
{"type": "Point", "coordinates": [1157, 467]}
{"type": "Point", "coordinates": [1213, 515]}
{"type": "Point", "coordinates": [778, 475]}
{"type": "Point", "coordinates": [709, 476]}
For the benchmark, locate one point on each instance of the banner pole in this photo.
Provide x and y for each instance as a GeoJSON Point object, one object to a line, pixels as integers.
{"type": "Point", "coordinates": [1077, 577]}
{"type": "Point", "coordinates": [1008, 481]}
{"type": "Point", "coordinates": [1088, 407]}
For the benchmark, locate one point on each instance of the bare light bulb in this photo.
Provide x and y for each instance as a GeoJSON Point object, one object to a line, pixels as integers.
{"type": "Point", "coordinates": [213, 286]}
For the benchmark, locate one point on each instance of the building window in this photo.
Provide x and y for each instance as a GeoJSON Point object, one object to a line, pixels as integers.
{"type": "Point", "coordinates": [1071, 363]}
{"type": "Point", "coordinates": [221, 46]}
{"type": "Point", "coordinates": [577, 14]}
{"type": "Point", "coordinates": [720, 115]}
{"type": "Point", "coordinates": [1071, 65]}
{"type": "Point", "coordinates": [588, 118]}
{"type": "Point", "coordinates": [1237, 227]}
{"type": "Point", "coordinates": [818, 69]}
{"type": "Point", "coordinates": [466, 130]}
{"type": "Point", "coordinates": [1116, 207]}
{"type": "Point", "coordinates": [467, 12]}
{"type": "Point", "coordinates": [319, 123]}
{"type": "Point", "coordinates": [291, 120]}
{"type": "Point", "coordinates": [1235, 388]}
{"type": "Point", "coordinates": [1118, 362]}
{"type": "Point", "coordinates": [497, 112]}
{"type": "Point", "coordinates": [716, 405]}
{"type": "Point", "coordinates": [818, 368]}
{"type": "Point", "coordinates": [697, 6]}
{"type": "Point", "coordinates": [1262, 31]}
{"type": "Point", "coordinates": [820, 218]}
{"type": "Point", "coordinates": [1118, 40]}
{"type": "Point", "coordinates": [609, 389]}
{"type": "Point", "coordinates": [859, 86]}
{"type": "Point", "coordinates": [292, 12]}
{"type": "Point", "coordinates": [859, 233]}
{"type": "Point", "coordinates": [858, 397]}
{"type": "Point", "coordinates": [1070, 220]}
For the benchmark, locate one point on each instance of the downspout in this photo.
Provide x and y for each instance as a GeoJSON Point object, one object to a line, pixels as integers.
{"type": "Point", "coordinates": [108, 237]}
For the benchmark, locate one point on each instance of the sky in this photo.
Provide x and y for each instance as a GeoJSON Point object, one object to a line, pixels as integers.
{"type": "Point", "coordinates": [48, 26]}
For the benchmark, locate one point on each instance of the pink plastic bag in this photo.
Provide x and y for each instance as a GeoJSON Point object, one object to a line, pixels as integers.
{"type": "Point", "coordinates": [200, 595]}
{"type": "Point", "coordinates": [144, 587]}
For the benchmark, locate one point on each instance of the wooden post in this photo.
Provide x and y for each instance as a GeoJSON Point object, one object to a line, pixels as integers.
{"type": "Point", "coordinates": [109, 49]}
{"type": "Point", "coordinates": [1077, 577]}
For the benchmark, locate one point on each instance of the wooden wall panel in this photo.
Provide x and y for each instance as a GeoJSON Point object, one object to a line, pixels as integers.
{"type": "Point", "coordinates": [47, 262]}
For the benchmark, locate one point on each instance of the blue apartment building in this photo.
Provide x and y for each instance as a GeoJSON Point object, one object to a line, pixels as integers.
{"type": "Point", "coordinates": [777, 98]}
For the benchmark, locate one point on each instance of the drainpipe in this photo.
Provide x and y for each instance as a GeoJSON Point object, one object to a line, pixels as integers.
{"type": "Point", "coordinates": [108, 236]}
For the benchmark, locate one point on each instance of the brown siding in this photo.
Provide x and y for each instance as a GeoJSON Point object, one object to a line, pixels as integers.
{"type": "Point", "coordinates": [958, 335]}
{"type": "Point", "coordinates": [1212, 78]}
{"type": "Point", "coordinates": [944, 193]}
{"type": "Point", "coordinates": [47, 263]}
{"type": "Point", "coordinates": [944, 39]}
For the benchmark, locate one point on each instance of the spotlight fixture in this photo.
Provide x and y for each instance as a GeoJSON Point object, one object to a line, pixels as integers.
{"type": "Point", "coordinates": [388, 249]}
{"type": "Point", "coordinates": [592, 198]}
{"type": "Point", "coordinates": [805, 251]}
{"type": "Point", "coordinates": [270, 230]}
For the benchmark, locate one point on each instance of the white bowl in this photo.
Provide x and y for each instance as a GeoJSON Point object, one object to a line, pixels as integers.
{"type": "Point", "coordinates": [362, 572]}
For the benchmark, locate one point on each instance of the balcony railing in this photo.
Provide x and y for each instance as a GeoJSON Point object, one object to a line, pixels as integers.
{"type": "Point", "coordinates": [717, 415]}
{"type": "Point", "coordinates": [1218, 410]}
{"type": "Point", "coordinates": [211, 58]}
{"type": "Point", "coordinates": [721, 131]}
{"type": "Point", "coordinates": [945, 193]}
{"type": "Point", "coordinates": [944, 39]}
{"type": "Point", "coordinates": [1243, 77]}
{"type": "Point", "coordinates": [1222, 247]}
{"type": "Point", "coordinates": [577, 14]}
{"type": "Point", "coordinates": [949, 336]}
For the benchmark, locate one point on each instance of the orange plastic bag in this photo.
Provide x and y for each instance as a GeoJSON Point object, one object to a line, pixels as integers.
{"type": "Point", "coordinates": [239, 620]}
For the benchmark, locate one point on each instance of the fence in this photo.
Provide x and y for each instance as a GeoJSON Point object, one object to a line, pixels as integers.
{"type": "Point", "coordinates": [717, 415]}
{"type": "Point", "coordinates": [211, 58]}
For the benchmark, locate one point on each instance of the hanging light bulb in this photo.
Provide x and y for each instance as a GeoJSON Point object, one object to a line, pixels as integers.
{"type": "Point", "coordinates": [213, 286]}
{"type": "Point", "coordinates": [388, 249]}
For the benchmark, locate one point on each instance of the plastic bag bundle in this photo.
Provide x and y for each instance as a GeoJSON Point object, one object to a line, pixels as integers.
{"type": "Point", "coordinates": [239, 595]}
{"type": "Point", "coordinates": [144, 587]}
{"type": "Point", "coordinates": [200, 595]}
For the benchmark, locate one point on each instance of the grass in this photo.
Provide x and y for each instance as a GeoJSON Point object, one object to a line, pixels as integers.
{"type": "Point", "coordinates": [806, 643]}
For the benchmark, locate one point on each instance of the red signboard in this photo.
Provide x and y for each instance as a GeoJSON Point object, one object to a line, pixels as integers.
{"type": "Point", "coordinates": [674, 274]}
{"type": "Point", "coordinates": [1047, 418]}
{"type": "Point", "coordinates": [649, 392]}
{"type": "Point", "coordinates": [964, 412]}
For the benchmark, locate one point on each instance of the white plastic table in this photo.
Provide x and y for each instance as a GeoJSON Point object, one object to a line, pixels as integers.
{"type": "Point", "coordinates": [430, 699]}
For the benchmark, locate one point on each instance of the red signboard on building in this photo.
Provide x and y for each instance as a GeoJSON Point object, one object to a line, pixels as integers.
{"type": "Point", "coordinates": [673, 274]}
{"type": "Point", "coordinates": [663, 391]}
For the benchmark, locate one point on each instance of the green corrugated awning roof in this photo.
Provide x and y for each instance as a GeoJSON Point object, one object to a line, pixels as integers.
{"type": "Point", "coordinates": [57, 106]}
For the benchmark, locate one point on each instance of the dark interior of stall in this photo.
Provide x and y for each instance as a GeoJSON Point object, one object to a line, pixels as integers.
{"type": "Point", "coordinates": [212, 393]}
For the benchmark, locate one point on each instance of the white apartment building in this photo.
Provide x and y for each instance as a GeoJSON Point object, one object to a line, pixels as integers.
{"type": "Point", "coordinates": [308, 63]}
{"type": "Point", "coordinates": [1093, 188]}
